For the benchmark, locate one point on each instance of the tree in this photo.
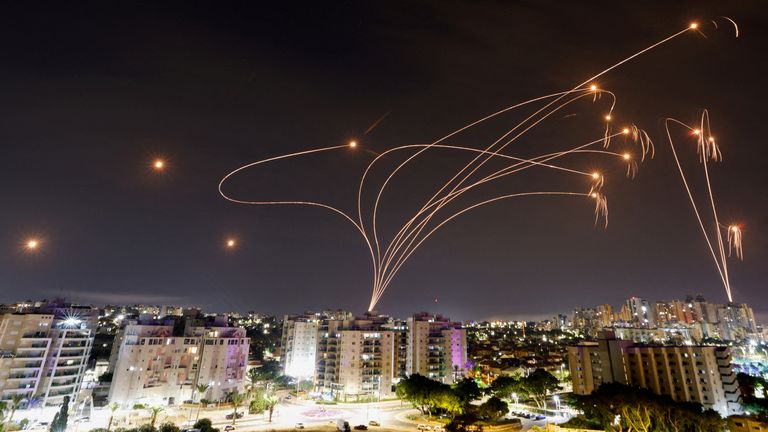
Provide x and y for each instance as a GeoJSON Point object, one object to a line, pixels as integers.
{"type": "Point", "coordinates": [467, 390]}
{"type": "Point", "coordinates": [154, 411]}
{"type": "Point", "coordinates": [205, 425]}
{"type": "Point", "coordinates": [447, 399]}
{"type": "Point", "coordinates": [112, 408]}
{"type": "Point", "coordinates": [236, 398]}
{"type": "Point", "coordinates": [16, 400]}
{"type": "Point", "coordinates": [504, 387]}
{"type": "Point", "coordinates": [620, 407]}
{"type": "Point", "coordinates": [493, 409]}
{"type": "Point", "coordinates": [201, 389]}
{"type": "Point", "coordinates": [420, 391]}
{"type": "Point", "coordinates": [59, 423]}
{"type": "Point", "coordinates": [270, 401]}
{"type": "Point", "coordinates": [538, 385]}
{"type": "Point", "coordinates": [168, 427]}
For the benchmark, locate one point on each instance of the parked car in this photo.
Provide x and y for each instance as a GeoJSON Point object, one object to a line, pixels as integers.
{"type": "Point", "coordinates": [299, 426]}
{"type": "Point", "coordinates": [361, 427]}
{"type": "Point", "coordinates": [423, 427]}
{"type": "Point", "coordinates": [239, 415]}
{"type": "Point", "coordinates": [539, 417]}
{"type": "Point", "coordinates": [228, 428]}
{"type": "Point", "coordinates": [373, 423]}
{"type": "Point", "coordinates": [438, 428]}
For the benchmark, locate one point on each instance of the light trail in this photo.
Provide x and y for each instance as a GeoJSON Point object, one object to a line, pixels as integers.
{"type": "Point", "coordinates": [388, 257]}
{"type": "Point", "coordinates": [707, 149]}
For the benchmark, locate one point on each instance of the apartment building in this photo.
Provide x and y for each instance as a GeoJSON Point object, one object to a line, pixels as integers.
{"type": "Point", "coordinates": [44, 352]}
{"type": "Point", "coordinates": [436, 348]}
{"type": "Point", "coordinates": [162, 361]}
{"type": "Point", "coordinates": [701, 374]}
{"type": "Point", "coordinates": [358, 358]}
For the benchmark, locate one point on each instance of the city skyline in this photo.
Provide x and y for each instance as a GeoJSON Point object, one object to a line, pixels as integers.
{"type": "Point", "coordinates": [117, 143]}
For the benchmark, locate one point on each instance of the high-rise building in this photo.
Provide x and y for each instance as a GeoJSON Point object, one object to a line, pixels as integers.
{"type": "Point", "coordinates": [357, 358]}
{"type": "Point", "coordinates": [701, 374]}
{"type": "Point", "coordinates": [640, 312]}
{"type": "Point", "coordinates": [736, 321]}
{"type": "Point", "coordinates": [299, 344]}
{"type": "Point", "coordinates": [44, 351]}
{"type": "Point", "coordinates": [436, 348]}
{"type": "Point", "coordinates": [366, 356]}
{"type": "Point", "coordinates": [162, 361]}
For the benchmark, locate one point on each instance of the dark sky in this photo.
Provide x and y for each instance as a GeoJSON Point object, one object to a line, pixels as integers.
{"type": "Point", "coordinates": [91, 92]}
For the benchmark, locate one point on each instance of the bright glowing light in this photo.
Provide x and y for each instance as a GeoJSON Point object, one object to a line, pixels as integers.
{"type": "Point", "coordinates": [231, 243]}
{"type": "Point", "coordinates": [388, 254]}
{"type": "Point", "coordinates": [697, 131]}
{"type": "Point", "coordinates": [735, 241]}
{"type": "Point", "coordinates": [711, 139]}
{"type": "Point", "coordinates": [71, 322]}
{"type": "Point", "coordinates": [694, 25]}
{"type": "Point", "coordinates": [33, 244]}
{"type": "Point", "coordinates": [158, 164]}
{"type": "Point", "coordinates": [626, 156]}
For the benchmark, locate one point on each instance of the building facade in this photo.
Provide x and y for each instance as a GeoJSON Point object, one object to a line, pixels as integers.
{"type": "Point", "coordinates": [162, 362]}
{"type": "Point", "coordinates": [44, 352]}
{"type": "Point", "coordinates": [701, 374]}
{"type": "Point", "coordinates": [436, 348]}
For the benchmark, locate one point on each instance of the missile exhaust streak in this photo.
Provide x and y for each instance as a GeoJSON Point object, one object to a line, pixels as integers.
{"type": "Point", "coordinates": [708, 150]}
{"type": "Point", "coordinates": [387, 258]}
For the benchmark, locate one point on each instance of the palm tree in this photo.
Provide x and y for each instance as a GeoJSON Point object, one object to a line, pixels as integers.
{"type": "Point", "coordinates": [16, 401]}
{"type": "Point", "coordinates": [154, 411]}
{"type": "Point", "coordinates": [112, 408]}
{"type": "Point", "coordinates": [237, 399]}
{"type": "Point", "coordinates": [201, 389]}
{"type": "Point", "coordinates": [253, 377]}
{"type": "Point", "coordinates": [270, 402]}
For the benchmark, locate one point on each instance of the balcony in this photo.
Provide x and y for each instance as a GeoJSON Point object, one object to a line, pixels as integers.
{"type": "Point", "coordinates": [22, 377]}
{"type": "Point", "coordinates": [35, 335]}
{"type": "Point", "coordinates": [31, 356]}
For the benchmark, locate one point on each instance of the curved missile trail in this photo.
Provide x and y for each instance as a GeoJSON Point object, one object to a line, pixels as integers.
{"type": "Point", "coordinates": [387, 258]}
{"type": "Point", "coordinates": [706, 147]}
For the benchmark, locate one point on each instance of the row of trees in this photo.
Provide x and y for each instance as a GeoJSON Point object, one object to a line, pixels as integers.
{"type": "Point", "coordinates": [432, 397]}
{"type": "Point", "coordinates": [536, 386]}
{"type": "Point", "coordinates": [620, 408]}
{"type": "Point", "coordinates": [429, 396]}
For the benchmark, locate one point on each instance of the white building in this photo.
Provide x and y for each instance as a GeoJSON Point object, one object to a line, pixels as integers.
{"type": "Point", "coordinates": [155, 365]}
{"type": "Point", "coordinates": [299, 345]}
{"type": "Point", "coordinates": [44, 353]}
{"type": "Point", "coordinates": [436, 348]}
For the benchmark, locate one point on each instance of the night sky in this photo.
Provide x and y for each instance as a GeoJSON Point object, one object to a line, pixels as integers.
{"type": "Point", "coordinates": [91, 93]}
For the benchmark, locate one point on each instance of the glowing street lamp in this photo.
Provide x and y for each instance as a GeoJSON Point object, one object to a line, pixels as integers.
{"type": "Point", "coordinates": [231, 243]}
{"type": "Point", "coordinates": [158, 164]}
{"type": "Point", "coordinates": [352, 144]}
